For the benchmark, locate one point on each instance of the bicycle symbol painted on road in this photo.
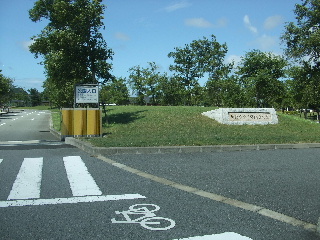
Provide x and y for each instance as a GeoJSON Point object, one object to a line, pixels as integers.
{"type": "Point", "coordinates": [145, 216]}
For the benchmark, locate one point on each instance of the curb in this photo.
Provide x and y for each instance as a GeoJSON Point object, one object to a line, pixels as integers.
{"type": "Point", "coordinates": [88, 147]}
{"type": "Point", "coordinates": [53, 131]}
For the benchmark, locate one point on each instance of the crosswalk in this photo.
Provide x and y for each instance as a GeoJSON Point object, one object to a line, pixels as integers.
{"type": "Point", "coordinates": [26, 189]}
{"type": "Point", "coordinates": [28, 181]}
{"type": "Point", "coordinates": [76, 170]}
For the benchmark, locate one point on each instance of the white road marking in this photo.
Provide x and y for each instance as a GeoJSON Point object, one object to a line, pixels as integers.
{"type": "Point", "coordinates": [148, 220]}
{"type": "Point", "coordinates": [221, 236]}
{"type": "Point", "coordinates": [1, 160]}
{"type": "Point", "coordinates": [81, 182]}
{"type": "Point", "coordinates": [28, 181]}
{"type": "Point", "coordinates": [84, 199]}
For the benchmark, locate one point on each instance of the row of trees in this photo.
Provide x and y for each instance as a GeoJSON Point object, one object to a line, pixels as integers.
{"type": "Point", "coordinates": [10, 95]}
{"type": "Point", "coordinates": [260, 80]}
{"type": "Point", "coordinates": [74, 52]}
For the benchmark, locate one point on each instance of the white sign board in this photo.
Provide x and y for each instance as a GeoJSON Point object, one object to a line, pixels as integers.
{"type": "Point", "coordinates": [87, 94]}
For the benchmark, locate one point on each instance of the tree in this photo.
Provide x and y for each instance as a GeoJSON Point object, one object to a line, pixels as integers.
{"type": "Point", "coordinates": [6, 87]}
{"type": "Point", "coordinates": [225, 92]}
{"type": "Point", "coordinates": [144, 82]}
{"type": "Point", "coordinates": [261, 75]}
{"type": "Point", "coordinates": [115, 92]}
{"type": "Point", "coordinates": [20, 97]}
{"type": "Point", "coordinates": [151, 77]}
{"type": "Point", "coordinates": [35, 97]}
{"type": "Point", "coordinates": [71, 45]}
{"type": "Point", "coordinates": [220, 85]}
{"type": "Point", "coordinates": [302, 38]}
{"type": "Point", "coordinates": [186, 68]}
{"type": "Point", "coordinates": [137, 83]}
{"type": "Point", "coordinates": [170, 91]}
{"type": "Point", "coordinates": [204, 56]}
{"type": "Point", "coordinates": [305, 86]}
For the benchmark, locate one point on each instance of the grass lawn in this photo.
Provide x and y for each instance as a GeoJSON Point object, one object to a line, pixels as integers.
{"type": "Point", "coordinates": [142, 126]}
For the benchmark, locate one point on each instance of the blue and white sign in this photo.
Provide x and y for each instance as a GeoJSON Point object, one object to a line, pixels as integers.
{"type": "Point", "coordinates": [87, 94]}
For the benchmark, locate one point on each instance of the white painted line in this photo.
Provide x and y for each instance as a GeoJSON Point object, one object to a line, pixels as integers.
{"type": "Point", "coordinates": [28, 181]}
{"type": "Point", "coordinates": [81, 182]}
{"type": "Point", "coordinates": [1, 160]}
{"type": "Point", "coordinates": [54, 201]}
{"type": "Point", "coordinates": [221, 236]}
{"type": "Point", "coordinates": [215, 197]}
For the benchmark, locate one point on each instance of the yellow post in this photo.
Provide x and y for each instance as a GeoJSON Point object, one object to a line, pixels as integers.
{"type": "Point", "coordinates": [67, 122]}
{"type": "Point", "coordinates": [94, 122]}
{"type": "Point", "coordinates": [79, 122]}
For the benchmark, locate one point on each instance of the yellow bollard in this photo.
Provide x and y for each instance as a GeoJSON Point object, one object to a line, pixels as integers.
{"type": "Point", "coordinates": [81, 122]}
{"type": "Point", "coordinates": [94, 122]}
{"type": "Point", "coordinates": [67, 122]}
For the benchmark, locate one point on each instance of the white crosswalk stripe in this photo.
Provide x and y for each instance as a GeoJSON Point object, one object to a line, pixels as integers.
{"type": "Point", "coordinates": [81, 182]}
{"type": "Point", "coordinates": [27, 186]}
{"type": "Point", "coordinates": [28, 181]}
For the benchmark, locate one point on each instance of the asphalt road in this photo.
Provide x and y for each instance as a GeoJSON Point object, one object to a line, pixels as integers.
{"type": "Point", "coordinates": [22, 125]}
{"type": "Point", "coordinates": [52, 190]}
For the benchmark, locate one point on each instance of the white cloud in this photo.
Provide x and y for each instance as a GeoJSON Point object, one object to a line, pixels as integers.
{"type": "Point", "coordinates": [28, 83]}
{"type": "Point", "coordinates": [222, 22]}
{"type": "Point", "coordinates": [26, 44]}
{"type": "Point", "coordinates": [266, 42]}
{"type": "Point", "coordinates": [233, 59]}
{"type": "Point", "coordinates": [273, 21]}
{"type": "Point", "coordinates": [177, 6]}
{"type": "Point", "coordinates": [248, 24]}
{"type": "Point", "coordinates": [203, 23]}
{"type": "Point", "coordinates": [121, 36]}
{"type": "Point", "coordinates": [198, 22]}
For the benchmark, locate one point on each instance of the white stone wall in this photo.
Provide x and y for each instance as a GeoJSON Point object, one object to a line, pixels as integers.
{"type": "Point", "coordinates": [243, 116]}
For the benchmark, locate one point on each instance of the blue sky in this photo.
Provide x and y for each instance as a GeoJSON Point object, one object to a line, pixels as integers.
{"type": "Point", "coordinates": [142, 31]}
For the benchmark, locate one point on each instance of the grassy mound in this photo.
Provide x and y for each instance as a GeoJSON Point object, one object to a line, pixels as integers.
{"type": "Point", "coordinates": [142, 126]}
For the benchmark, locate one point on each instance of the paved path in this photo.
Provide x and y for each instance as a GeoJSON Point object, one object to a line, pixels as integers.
{"type": "Point", "coordinates": [23, 125]}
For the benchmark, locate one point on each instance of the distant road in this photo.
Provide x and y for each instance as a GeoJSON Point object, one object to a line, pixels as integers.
{"type": "Point", "coordinates": [24, 125]}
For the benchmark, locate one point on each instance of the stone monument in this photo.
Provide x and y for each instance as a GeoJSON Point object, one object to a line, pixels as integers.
{"type": "Point", "coordinates": [243, 116]}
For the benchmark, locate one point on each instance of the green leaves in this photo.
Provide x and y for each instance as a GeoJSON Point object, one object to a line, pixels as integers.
{"type": "Point", "coordinates": [204, 56]}
{"type": "Point", "coordinates": [73, 49]}
{"type": "Point", "coordinates": [115, 92]}
{"type": "Point", "coordinates": [6, 86]}
{"type": "Point", "coordinates": [302, 37]}
{"type": "Point", "coordinates": [260, 77]}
